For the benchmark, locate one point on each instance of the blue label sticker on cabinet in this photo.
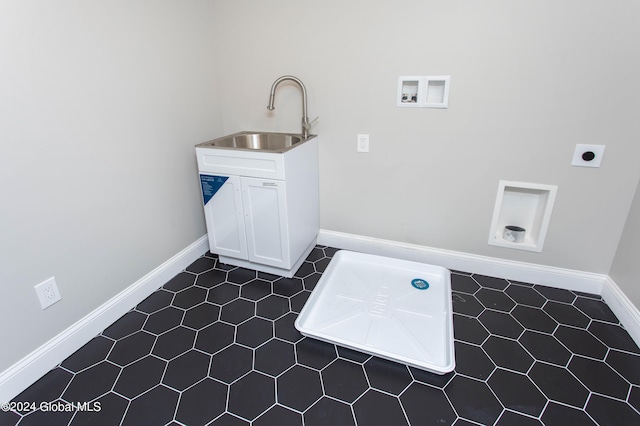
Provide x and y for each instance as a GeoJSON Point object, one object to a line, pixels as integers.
{"type": "Point", "coordinates": [211, 185]}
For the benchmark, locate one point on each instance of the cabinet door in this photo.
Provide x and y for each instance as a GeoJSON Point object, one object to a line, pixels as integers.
{"type": "Point", "coordinates": [264, 203]}
{"type": "Point", "coordinates": [224, 215]}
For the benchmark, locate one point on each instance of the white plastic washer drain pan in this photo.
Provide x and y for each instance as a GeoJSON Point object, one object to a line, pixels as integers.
{"type": "Point", "coordinates": [380, 306]}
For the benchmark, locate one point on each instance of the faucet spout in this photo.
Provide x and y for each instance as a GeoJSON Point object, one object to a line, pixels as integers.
{"type": "Point", "coordinates": [272, 96]}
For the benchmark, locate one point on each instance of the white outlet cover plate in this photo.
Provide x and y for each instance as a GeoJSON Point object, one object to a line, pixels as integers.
{"type": "Point", "coordinates": [363, 142]}
{"type": "Point", "coordinates": [48, 292]}
{"type": "Point", "coordinates": [577, 160]}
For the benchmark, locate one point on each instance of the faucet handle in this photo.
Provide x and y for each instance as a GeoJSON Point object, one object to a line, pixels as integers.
{"type": "Point", "coordinates": [312, 122]}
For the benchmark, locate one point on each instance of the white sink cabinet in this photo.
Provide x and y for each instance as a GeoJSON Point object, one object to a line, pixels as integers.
{"type": "Point", "coordinates": [261, 208]}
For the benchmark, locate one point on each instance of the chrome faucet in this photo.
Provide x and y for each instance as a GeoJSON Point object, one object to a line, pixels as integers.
{"type": "Point", "coordinates": [306, 126]}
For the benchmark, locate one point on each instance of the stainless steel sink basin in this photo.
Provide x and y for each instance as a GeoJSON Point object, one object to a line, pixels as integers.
{"type": "Point", "coordinates": [256, 141]}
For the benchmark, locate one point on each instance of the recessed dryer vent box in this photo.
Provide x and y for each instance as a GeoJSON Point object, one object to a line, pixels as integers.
{"type": "Point", "coordinates": [523, 205]}
{"type": "Point", "coordinates": [423, 91]}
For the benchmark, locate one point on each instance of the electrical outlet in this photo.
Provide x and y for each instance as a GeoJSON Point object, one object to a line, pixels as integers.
{"type": "Point", "coordinates": [47, 292]}
{"type": "Point", "coordinates": [587, 155]}
{"type": "Point", "coordinates": [363, 143]}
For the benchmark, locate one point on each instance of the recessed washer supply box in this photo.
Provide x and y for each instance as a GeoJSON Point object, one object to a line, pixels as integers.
{"type": "Point", "coordinates": [391, 308]}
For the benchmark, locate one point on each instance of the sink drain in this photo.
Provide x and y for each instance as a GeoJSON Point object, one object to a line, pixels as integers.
{"type": "Point", "coordinates": [420, 284]}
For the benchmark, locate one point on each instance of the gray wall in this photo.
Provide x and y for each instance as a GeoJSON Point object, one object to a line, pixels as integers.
{"type": "Point", "coordinates": [624, 271]}
{"type": "Point", "coordinates": [103, 101]}
{"type": "Point", "coordinates": [101, 105]}
{"type": "Point", "coordinates": [529, 80]}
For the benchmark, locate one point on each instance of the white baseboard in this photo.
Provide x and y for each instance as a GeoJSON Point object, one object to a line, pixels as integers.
{"type": "Point", "coordinates": [627, 312]}
{"type": "Point", "coordinates": [22, 374]}
{"type": "Point", "coordinates": [568, 279]}
{"type": "Point", "coordinates": [518, 271]}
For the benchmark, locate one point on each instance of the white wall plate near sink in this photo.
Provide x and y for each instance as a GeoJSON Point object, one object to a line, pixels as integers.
{"type": "Point", "coordinates": [394, 309]}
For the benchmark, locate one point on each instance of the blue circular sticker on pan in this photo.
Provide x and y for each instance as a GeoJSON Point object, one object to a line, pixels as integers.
{"type": "Point", "coordinates": [420, 284]}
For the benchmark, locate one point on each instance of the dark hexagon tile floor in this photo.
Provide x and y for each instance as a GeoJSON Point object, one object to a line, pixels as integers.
{"type": "Point", "coordinates": [216, 345]}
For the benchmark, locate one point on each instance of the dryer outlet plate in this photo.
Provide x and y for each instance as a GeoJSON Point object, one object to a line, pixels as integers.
{"type": "Point", "coordinates": [587, 155]}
